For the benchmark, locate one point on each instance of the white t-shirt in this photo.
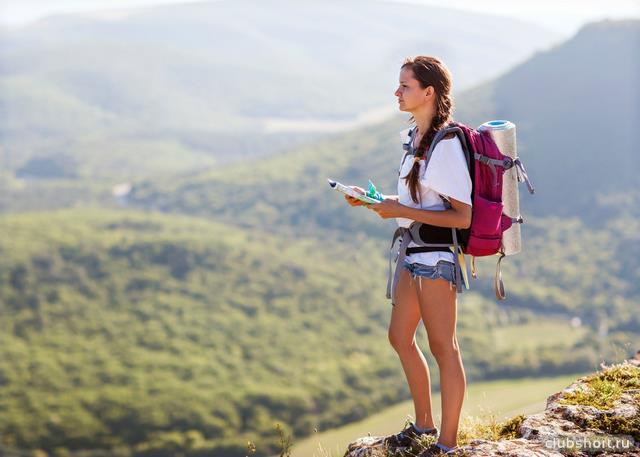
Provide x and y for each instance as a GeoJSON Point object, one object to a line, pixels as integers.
{"type": "Point", "coordinates": [447, 175]}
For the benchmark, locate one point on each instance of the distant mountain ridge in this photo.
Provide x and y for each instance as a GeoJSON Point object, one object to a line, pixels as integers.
{"type": "Point", "coordinates": [582, 165]}
{"type": "Point", "coordinates": [198, 76]}
{"type": "Point", "coordinates": [577, 111]}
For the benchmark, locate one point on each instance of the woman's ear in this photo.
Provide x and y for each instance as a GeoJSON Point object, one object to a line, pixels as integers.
{"type": "Point", "coordinates": [429, 91]}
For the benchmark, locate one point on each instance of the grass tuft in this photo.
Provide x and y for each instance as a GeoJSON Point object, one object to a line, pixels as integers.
{"type": "Point", "coordinates": [606, 387]}
{"type": "Point", "coordinates": [603, 390]}
{"type": "Point", "coordinates": [488, 428]}
{"type": "Point", "coordinates": [600, 393]}
{"type": "Point", "coordinates": [617, 425]}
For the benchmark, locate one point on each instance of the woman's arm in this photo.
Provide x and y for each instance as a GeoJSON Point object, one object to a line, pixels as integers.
{"type": "Point", "coordinates": [458, 216]}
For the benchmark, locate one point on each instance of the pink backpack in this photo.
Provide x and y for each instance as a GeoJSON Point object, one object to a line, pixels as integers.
{"type": "Point", "coordinates": [484, 237]}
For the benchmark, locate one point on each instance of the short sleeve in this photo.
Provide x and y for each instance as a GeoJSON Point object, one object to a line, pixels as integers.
{"type": "Point", "coordinates": [447, 172]}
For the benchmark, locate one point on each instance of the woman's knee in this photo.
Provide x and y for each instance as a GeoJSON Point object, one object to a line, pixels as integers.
{"type": "Point", "coordinates": [444, 348]}
{"type": "Point", "coordinates": [400, 341]}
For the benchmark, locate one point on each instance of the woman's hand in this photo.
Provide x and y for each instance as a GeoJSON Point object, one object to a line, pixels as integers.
{"type": "Point", "coordinates": [354, 201]}
{"type": "Point", "coordinates": [387, 208]}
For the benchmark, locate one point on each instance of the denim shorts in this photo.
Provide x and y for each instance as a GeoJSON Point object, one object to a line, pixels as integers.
{"type": "Point", "coordinates": [442, 269]}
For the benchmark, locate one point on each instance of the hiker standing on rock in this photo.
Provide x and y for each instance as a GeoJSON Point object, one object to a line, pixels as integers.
{"type": "Point", "coordinates": [439, 195]}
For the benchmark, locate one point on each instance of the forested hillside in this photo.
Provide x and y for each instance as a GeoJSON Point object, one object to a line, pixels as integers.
{"type": "Point", "coordinates": [144, 334]}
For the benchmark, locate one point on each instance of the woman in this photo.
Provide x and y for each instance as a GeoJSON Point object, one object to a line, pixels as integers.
{"type": "Point", "coordinates": [425, 287]}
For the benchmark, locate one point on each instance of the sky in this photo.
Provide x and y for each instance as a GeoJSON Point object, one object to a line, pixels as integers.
{"type": "Point", "coordinates": [564, 16]}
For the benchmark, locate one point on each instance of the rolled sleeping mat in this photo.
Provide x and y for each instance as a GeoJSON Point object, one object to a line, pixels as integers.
{"type": "Point", "coordinates": [504, 134]}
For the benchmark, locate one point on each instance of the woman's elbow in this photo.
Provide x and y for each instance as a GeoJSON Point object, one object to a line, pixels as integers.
{"type": "Point", "coordinates": [464, 226]}
{"type": "Point", "coordinates": [465, 221]}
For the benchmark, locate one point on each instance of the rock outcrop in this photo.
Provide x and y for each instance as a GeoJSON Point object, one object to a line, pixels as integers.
{"type": "Point", "coordinates": [596, 415]}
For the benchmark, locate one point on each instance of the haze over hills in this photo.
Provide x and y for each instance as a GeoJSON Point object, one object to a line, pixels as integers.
{"type": "Point", "coordinates": [552, 100]}
{"type": "Point", "coordinates": [176, 88]}
{"type": "Point", "coordinates": [566, 18]}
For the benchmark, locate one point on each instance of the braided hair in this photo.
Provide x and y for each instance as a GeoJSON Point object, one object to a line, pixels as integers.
{"type": "Point", "coordinates": [429, 71]}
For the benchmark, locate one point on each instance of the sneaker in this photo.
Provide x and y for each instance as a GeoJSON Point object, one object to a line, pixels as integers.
{"type": "Point", "coordinates": [434, 450]}
{"type": "Point", "coordinates": [407, 438]}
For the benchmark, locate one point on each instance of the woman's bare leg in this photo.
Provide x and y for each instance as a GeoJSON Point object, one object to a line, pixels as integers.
{"type": "Point", "coordinates": [438, 304]}
{"type": "Point", "coordinates": [405, 317]}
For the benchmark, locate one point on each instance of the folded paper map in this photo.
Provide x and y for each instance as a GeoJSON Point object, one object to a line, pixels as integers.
{"type": "Point", "coordinates": [372, 195]}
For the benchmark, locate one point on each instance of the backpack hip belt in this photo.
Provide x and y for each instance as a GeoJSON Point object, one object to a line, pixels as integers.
{"type": "Point", "coordinates": [412, 233]}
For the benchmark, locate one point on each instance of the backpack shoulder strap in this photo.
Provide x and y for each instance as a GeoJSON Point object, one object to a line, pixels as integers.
{"type": "Point", "coordinates": [407, 147]}
{"type": "Point", "coordinates": [451, 128]}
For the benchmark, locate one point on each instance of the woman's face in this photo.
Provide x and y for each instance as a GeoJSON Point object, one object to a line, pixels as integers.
{"type": "Point", "coordinates": [412, 97]}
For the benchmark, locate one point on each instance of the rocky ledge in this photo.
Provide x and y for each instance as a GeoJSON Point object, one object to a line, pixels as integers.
{"type": "Point", "coordinates": [598, 414]}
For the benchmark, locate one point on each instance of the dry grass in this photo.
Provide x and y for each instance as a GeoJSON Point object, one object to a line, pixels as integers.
{"type": "Point", "coordinates": [485, 427]}
{"type": "Point", "coordinates": [604, 388]}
